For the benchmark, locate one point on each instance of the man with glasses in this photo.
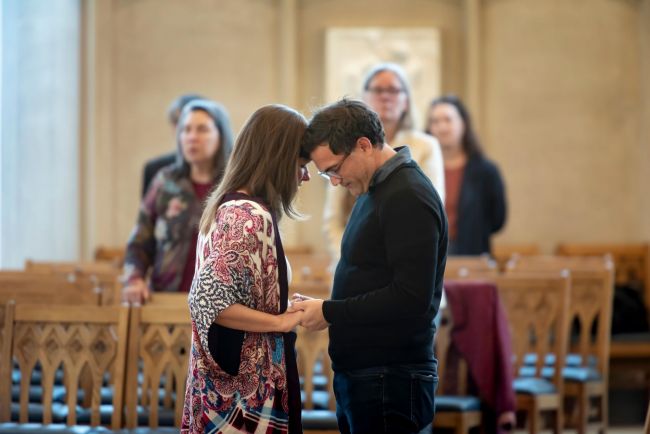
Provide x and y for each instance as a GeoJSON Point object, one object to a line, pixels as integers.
{"type": "Point", "coordinates": [388, 282]}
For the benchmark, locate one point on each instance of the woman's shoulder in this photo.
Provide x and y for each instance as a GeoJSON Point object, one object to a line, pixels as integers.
{"type": "Point", "coordinates": [415, 139]}
{"type": "Point", "coordinates": [245, 208]}
{"type": "Point", "coordinates": [482, 164]}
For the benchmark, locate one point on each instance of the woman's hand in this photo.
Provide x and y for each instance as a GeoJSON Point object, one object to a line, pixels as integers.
{"type": "Point", "coordinates": [135, 292]}
{"type": "Point", "coordinates": [289, 320]}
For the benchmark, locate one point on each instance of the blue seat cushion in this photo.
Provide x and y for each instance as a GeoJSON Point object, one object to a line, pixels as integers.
{"type": "Point", "coordinates": [571, 359]}
{"type": "Point", "coordinates": [320, 399]}
{"type": "Point", "coordinates": [533, 386]}
{"type": "Point", "coordinates": [37, 428]}
{"type": "Point", "coordinates": [319, 420]}
{"type": "Point", "coordinates": [165, 416]}
{"type": "Point", "coordinates": [580, 374]}
{"type": "Point", "coordinates": [36, 393]}
{"type": "Point", "coordinates": [457, 403]}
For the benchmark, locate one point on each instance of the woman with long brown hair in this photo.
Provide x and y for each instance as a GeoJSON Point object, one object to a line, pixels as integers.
{"type": "Point", "coordinates": [242, 373]}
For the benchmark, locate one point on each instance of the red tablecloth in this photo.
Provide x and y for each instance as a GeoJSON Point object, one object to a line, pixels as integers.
{"type": "Point", "coordinates": [481, 336]}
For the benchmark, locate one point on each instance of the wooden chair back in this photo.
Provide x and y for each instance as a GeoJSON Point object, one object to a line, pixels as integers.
{"type": "Point", "coordinates": [592, 286]}
{"type": "Point", "coordinates": [87, 342]}
{"type": "Point", "coordinates": [311, 347]}
{"type": "Point", "coordinates": [114, 255]}
{"type": "Point", "coordinates": [478, 267]}
{"type": "Point", "coordinates": [503, 252]}
{"type": "Point", "coordinates": [47, 289]}
{"type": "Point", "coordinates": [537, 307]}
{"type": "Point", "coordinates": [160, 338]}
{"type": "Point", "coordinates": [441, 346]}
{"type": "Point", "coordinates": [168, 299]}
{"type": "Point", "coordinates": [104, 276]}
{"type": "Point", "coordinates": [71, 267]}
{"type": "Point", "coordinates": [308, 267]}
{"type": "Point", "coordinates": [631, 262]}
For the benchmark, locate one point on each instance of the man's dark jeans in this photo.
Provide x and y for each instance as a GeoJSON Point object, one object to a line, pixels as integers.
{"type": "Point", "coordinates": [386, 399]}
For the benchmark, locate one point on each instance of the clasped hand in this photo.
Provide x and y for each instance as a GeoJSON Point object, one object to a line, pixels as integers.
{"type": "Point", "coordinates": [312, 311]}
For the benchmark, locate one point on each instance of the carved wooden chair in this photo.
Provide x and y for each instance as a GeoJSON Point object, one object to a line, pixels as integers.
{"type": "Point", "coordinates": [104, 276]}
{"type": "Point", "coordinates": [46, 289]}
{"type": "Point", "coordinates": [502, 252]}
{"type": "Point", "coordinates": [83, 342]}
{"type": "Point", "coordinates": [459, 411]}
{"type": "Point", "coordinates": [587, 372]}
{"type": "Point", "coordinates": [160, 338]}
{"type": "Point", "coordinates": [537, 308]}
{"type": "Point", "coordinates": [314, 367]}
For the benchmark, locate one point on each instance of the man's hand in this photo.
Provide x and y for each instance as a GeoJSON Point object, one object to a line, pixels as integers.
{"type": "Point", "coordinates": [312, 318]}
{"type": "Point", "coordinates": [135, 292]}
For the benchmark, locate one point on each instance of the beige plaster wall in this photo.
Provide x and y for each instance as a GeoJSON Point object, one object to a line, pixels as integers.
{"type": "Point", "coordinates": [561, 94]}
{"type": "Point", "coordinates": [562, 97]}
{"type": "Point", "coordinates": [224, 49]}
{"type": "Point", "coordinates": [644, 178]}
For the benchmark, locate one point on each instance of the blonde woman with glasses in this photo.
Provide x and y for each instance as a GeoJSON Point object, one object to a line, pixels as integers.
{"type": "Point", "coordinates": [386, 90]}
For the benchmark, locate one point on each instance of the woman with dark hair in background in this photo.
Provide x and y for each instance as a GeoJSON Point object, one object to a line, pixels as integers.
{"type": "Point", "coordinates": [164, 238]}
{"type": "Point", "coordinates": [475, 196]}
{"type": "Point", "coordinates": [242, 371]}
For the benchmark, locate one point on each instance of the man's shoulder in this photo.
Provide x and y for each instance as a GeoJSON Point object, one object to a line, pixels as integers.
{"type": "Point", "coordinates": [406, 181]}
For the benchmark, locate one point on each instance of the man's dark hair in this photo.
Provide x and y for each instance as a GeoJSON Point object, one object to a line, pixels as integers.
{"type": "Point", "coordinates": [341, 124]}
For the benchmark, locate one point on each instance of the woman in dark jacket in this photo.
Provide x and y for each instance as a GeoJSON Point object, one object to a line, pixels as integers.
{"type": "Point", "coordinates": [475, 195]}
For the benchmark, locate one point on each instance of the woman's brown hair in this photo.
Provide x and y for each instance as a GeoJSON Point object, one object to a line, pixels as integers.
{"type": "Point", "coordinates": [264, 161]}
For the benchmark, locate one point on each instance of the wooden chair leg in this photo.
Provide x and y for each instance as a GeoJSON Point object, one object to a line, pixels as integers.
{"type": "Point", "coordinates": [169, 384]}
{"type": "Point", "coordinates": [582, 403]}
{"type": "Point", "coordinates": [559, 421]}
{"type": "Point", "coordinates": [534, 421]}
{"type": "Point", "coordinates": [604, 412]}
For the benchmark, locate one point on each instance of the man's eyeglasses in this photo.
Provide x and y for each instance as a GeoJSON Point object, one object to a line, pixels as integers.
{"type": "Point", "coordinates": [334, 171]}
{"type": "Point", "coordinates": [392, 91]}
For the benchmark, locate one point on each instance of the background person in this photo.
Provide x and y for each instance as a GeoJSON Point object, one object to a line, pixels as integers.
{"type": "Point", "coordinates": [152, 166]}
{"type": "Point", "coordinates": [386, 90]}
{"type": "Point", "coordinates": [160, 252]}
{"type": "Point", "coordinates": [476, 201]}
